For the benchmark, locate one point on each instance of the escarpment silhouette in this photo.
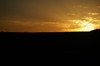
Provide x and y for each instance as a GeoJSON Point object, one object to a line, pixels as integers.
{"type": "Point", "coordinates": [61, 39]}
{"type": "Point", "coordinates": [96, 40]}
{"type": "Point", "coordinates": [64, 48]}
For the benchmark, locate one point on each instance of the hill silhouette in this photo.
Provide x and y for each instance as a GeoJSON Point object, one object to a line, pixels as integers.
{"type": "Point", "coordinates": [62, 48]}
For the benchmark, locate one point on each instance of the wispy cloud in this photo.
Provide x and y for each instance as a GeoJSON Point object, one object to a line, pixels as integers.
{"type": "Point", "coordinates": [80, 6]}
{"type": "Point", "coordinates": [77, 6]}
{"type": "Point", "coordinates": [85, 7]}
{"type": "Point", "coordinates": [71, 14]}
{"type": "Point", "coordinates": [93, 13]}
{"type": "Point", "coordinates": [99, 6]}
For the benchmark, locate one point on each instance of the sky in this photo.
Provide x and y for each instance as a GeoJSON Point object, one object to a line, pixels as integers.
{"type": "Point", "coordinates": [49, 15]}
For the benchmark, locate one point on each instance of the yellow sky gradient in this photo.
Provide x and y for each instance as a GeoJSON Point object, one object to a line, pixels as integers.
{"type": "Point", "coordinates": [49, 16]}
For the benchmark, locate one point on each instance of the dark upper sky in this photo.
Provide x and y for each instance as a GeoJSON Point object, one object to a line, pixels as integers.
{"type": "Point", "coordinates": [49, 15]}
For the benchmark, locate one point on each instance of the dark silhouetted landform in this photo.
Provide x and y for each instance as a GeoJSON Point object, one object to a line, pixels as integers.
{"type": "Point", "coordinates": [60, 49]}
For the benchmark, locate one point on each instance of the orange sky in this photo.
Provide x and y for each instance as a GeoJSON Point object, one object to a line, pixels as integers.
{"type": "Point", "coordinates": [49, 15]}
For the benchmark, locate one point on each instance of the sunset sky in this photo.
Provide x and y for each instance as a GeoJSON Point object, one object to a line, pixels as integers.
{"type": "Point", "coordinates": [49, 15]}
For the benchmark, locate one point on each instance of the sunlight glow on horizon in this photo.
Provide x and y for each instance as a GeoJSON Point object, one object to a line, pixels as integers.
{"type": "Point", "coordinates": [84, 25]}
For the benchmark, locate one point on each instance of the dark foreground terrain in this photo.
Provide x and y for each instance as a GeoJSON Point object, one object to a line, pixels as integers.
{"type": "Point", "coordinates": [56, 49]}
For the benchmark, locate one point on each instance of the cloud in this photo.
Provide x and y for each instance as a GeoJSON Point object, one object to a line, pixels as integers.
{"type": "Point", "coordinates": [77, 6]}
{"type": "Point", "coordinates": [85, 7]}
{"type": "Point", "coordinates": [74, 6]}
{"type": "Point", "coordinates": [99, 6]}
{"type": "Point", "coordinates": [27, 23]}
{"type": "Point", "coordinates": [93, 13]}
{"type": "Point", "coordinates": [71, 14]}
{"type": "Point", "coordinates": [80, 6]}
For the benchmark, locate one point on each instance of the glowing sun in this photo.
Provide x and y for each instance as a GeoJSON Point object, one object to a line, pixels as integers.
{"type": "Point", "coordinates": [86, 26]}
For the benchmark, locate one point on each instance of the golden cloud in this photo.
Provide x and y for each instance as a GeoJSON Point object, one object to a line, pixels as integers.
{"type": "Point", "coordinates": [99, 6]}
{"type": "Point", "coordinates": [93, 13]}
